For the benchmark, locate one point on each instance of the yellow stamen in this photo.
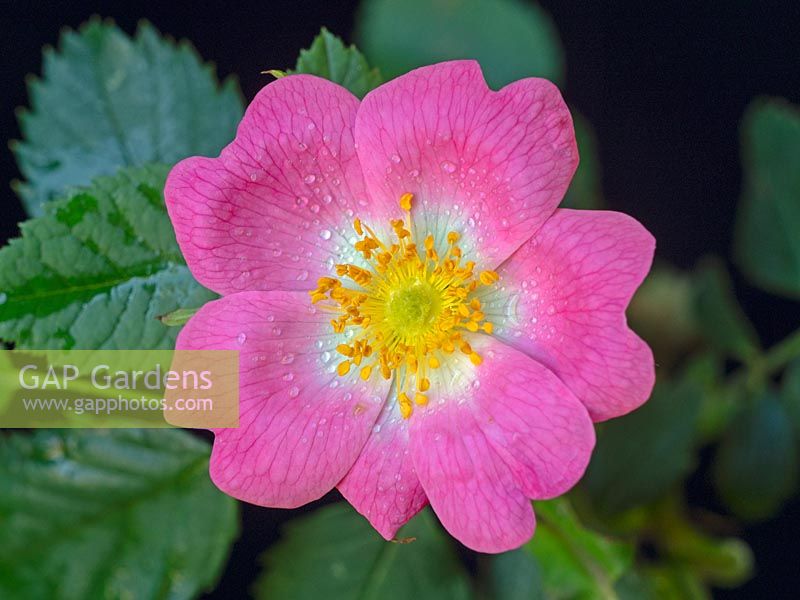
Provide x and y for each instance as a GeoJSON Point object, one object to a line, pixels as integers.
{"type": "Point", "coordinates": [408, 308]}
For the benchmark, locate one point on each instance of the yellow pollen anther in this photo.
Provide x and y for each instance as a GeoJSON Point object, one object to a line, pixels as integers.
{"type": "Point", "coordinates": [405, 404]}
{"type": "Point", "coordinates": [489, 277]}
{"type": "Point", "coordinates": [406, 308]}
{"type": "Point", "coordinates": [343, 368]}
{"type": "Point", "coordinates": [405, 201]}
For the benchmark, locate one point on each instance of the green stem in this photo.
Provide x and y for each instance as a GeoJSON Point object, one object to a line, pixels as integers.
{"type": "Point", "coordinates": [764, 366]}
{"type": "Point", "coordinates": [782, 353]}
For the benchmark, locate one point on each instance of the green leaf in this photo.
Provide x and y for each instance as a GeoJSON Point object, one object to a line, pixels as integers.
{"type": "Point", "coordinates": [110, 514]}
{"type": "Point", "coordinates": [756, 464]}
{"type": "Point", "coordinates": [635, 585]}
{"type": "Point", "coordinates": [106, 101]}
{"type": "Point", "coordinates": [585, 190]}
{"type": "Point", "coordinates": [97, 270]}
{"type": "Point", "coordinates": [335, 554]}
{"type": "Point", "coordinates": [718, 314]}
{"type": "Point", "coordinates": [512, 39]}
{"type": "Point", "coordinates": [515, 576]}
{"type": "Point", "coordinates": [657, 442]}
{"type": "Point", "coordinates": [766, 242]}
{"type": "Point", "coordinates": [575, 562]}
{"type": "Point", "coordinates": [675, 582]}
{"type": "Point", "coordinates": [328, 57]}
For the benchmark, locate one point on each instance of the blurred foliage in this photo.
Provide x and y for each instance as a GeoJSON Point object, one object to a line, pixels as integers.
{"type": "Point", "coordinates": [513, 575]}
{"type": "Point", "coordinates": [661, 312]}
{"type": "Point", "coordinates": [575, 562]}
{"type": "Point", "coordinates": [107, 101]}
{"type": "Point", "coordinates": [511, 39]}
{"type": "Point", "coordinates": [718, 314]}
{"type": "Point", "coordinates": [756, 466]}
{"type": "Point", "coordinates": [767, 244]}
{"type": "Point", "coordinates": [624, 532]}
{"type": "Point", "coordinates": [658, 442]}
{"type": "Point", "coordinates": [350, 560]}
{"type": "Point", "coordinates": [110, 514]}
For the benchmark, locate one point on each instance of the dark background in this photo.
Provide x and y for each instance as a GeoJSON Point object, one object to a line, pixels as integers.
{"type": "Point", "coordinates": [663, 84]}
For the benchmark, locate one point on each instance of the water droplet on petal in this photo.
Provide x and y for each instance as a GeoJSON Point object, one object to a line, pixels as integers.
{"type": "Point", "coordinates": [294, 391]}
{"type": "Point", "coordinates": [310, 178]}
{"type": "Point", "coordinates": [241, 338]}
{"type": "Point", "coordinates": [448, 167]}
{"type": "Point", "coordinates": [325, 234]}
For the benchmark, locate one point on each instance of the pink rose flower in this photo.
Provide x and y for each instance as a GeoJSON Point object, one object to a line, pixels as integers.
{"type": "Point", "coordinates": [417, 321]}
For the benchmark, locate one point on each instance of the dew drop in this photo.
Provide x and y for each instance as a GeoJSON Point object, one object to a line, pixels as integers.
{"type": "Point", "coordinates": [288, 376]}
{"type": "Point", "coordinates": [395, 158]}
{"type": "Point", "coordinates": [294, 391]}
{"type": "Point", "coordinates": [287, 359]}
{"type": "Point", "coordinates": [241, 338]}
{"type": "Point", "coordinates": [310, 178]}
{"type": "Point", "coordinates": [448, 167]}
{"type": "Point", "coordinates": [325, 234]}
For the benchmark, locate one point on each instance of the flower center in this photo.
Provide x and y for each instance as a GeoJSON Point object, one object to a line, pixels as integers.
{"type": "Point", "coordinates": [409, 309]}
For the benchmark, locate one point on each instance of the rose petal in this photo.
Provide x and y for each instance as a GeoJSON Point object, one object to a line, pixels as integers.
{"type": "Point", "coordinates": [562, 301]}
{"type": "Point", "coordinates": [496, 436]}
{"type": "Point", "coordinates": [302, 426]}
{"type": "Point", "coordinates": [382, 485]}
{"type": "Point", "coordinates": [490, 165]}
{"type": "Point", "coordinates": [275, 210]}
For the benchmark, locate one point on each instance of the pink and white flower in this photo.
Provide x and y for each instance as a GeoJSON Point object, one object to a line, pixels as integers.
{"type": "Point", "coordinates": [418, 322]}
